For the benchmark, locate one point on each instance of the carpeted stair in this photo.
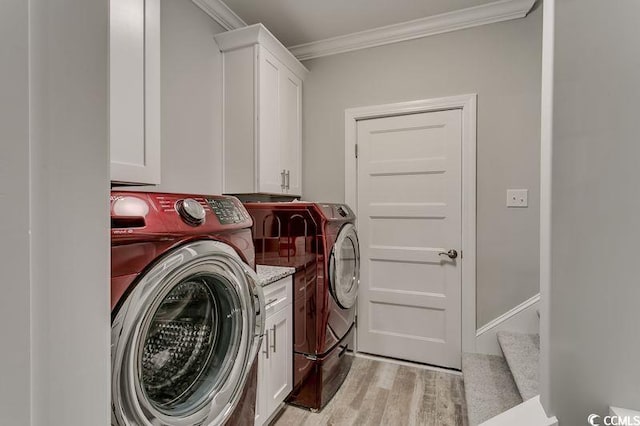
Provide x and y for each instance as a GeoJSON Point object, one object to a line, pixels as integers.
{"type": "Point", "coordinates": [488, 386]}
{"type": "Point", "coordinates": [495, 384]}
{"type": "Point", "coordinates": [522, 352]}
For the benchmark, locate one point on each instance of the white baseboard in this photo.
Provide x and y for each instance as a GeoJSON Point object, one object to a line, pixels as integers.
{"type": "Point", "coordinates": [623, 412]}
{"type": "Point", "coordinates": [406, 363]}
{"type": "Point", "coordinates": [521, 319]}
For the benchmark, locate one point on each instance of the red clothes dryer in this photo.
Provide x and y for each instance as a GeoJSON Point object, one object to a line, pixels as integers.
{"type": "Point", "coordinates": [320, 241]}
{"type": "Point", "coordinates": [187, 312]}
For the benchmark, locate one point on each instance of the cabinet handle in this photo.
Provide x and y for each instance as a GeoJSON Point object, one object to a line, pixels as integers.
{"type": "Point", "coordinates": [282, 179]}
{"type": "Point", "coordinates": [270, 302]}
{"type": "Point", "coordinates": [288, 179]}
{"type": "Point", "coordinates": [273, 345]}
{"type": "Point", "coordinates": [266, 346]}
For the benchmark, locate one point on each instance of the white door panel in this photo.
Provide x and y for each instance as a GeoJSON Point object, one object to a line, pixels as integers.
{"type": "Point", "coordinates": [275, 368]}
{"type": "Point", "coordinates": [127, 81]}
{"type": "Point", "coordinates": [262, 386]}
{"type": "Point", "coordinates": [291, 129]}
{"type": "Point", "coordinates": [134, 90]}
{"type": "Point", "coordinates": [281, 379]}
{"type": "Point", "coordinates": [270, 165]}
{"type": "Point", "coordinates": [410, 207]}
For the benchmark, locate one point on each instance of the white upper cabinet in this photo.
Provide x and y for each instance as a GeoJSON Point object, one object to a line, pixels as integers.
{"type": "Point", "coordinates": [134, 103]}
{"type": "Point", "coordinates": [262, 113]}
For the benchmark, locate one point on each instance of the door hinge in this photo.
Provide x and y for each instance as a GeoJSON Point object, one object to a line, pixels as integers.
{"type": "Point", "coordinates": [356, 150]}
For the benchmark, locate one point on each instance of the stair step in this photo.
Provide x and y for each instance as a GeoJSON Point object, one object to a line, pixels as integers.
{"type": "Point", "coordinates": [489, 387]}
{"type": "Point", "coordinates": [522, 353]}
{"type": "Point", "coordinates": [529, 413]}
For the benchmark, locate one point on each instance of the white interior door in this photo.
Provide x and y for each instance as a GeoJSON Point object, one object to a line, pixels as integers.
{"type": "Point", "coordinates": [410, 211]}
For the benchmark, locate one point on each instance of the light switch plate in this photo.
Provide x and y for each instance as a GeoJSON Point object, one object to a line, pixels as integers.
{"type": "Point", "coordinates": [517, 197]}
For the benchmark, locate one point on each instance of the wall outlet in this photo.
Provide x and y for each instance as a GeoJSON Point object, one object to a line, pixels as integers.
{"type": "Point", "coordinates": [517, 197]}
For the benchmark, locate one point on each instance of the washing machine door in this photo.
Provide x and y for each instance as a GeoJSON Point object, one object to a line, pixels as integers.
{"type": "Point", "coordinates": [184, 340]}
{"type": "Point", "coordinates": [344, 267]}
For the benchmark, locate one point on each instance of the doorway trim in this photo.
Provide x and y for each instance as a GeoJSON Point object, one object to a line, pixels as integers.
{"type": "Point", "coordinates": [467, 103]}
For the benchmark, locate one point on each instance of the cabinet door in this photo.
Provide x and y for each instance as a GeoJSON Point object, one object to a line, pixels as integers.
{"type": "Point", "coordinates": [262, 390]}
{"type": "Point", "coordinates": [134, 61]}
{"type": "Point", "coordinates": [280, 370]}
{"type": "Point", "coordinates": [270, 177]}
{"type": "Point", "coordinates": [291, 129]}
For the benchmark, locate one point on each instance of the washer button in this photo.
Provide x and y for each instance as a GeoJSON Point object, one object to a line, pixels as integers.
{"type": "Point", "coordinates": [191, 211]}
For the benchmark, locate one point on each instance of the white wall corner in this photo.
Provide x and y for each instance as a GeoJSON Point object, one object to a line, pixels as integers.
{"type": "Point", "coordinates": [221, 13]}
{"type": "Point", "coordinates": [521, 319]}
{"type": "Point", "coordinates": [546, 166]}
{"type": "Point", "coordinates": [499, 11]}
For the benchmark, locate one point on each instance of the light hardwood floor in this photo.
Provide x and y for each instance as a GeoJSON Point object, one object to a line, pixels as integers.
{"type": "Point", "coordinates": [381, 393]}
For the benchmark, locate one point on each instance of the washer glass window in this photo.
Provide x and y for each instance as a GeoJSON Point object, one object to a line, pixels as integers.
{"type": "Point", "coordinates": [344, 268]}
{"type": "Point", "coordinates": [189, 344]}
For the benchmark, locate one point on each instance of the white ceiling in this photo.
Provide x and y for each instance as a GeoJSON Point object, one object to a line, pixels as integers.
{"type": "Point", "coordinates": [302, 21]}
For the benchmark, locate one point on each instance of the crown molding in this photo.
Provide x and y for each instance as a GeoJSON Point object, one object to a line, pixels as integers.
{"type": "Point", "coordinates": [499, 11]}
{"type": "Point", "coordinates": [221, 13]}
{"type": "Point", "coordinates": [259, 34]}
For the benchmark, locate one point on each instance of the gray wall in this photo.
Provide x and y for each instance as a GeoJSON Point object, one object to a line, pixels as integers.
{"type": "Point", "coordinates": [191, 78]}
{"type": "Point", "coordinates": [595, 290]}
{"type": "Point", "coordinates": [70, 303]}
{"type": "Point", "coordinates": [499, 62]}
{"type": "Point", "coordinates": [54, 180]}
{"type": "Point", "coordinates": [15, 321]}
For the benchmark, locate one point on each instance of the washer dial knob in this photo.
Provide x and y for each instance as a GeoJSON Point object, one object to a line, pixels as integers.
{"type": "Point", "coordinates": [191, 211]}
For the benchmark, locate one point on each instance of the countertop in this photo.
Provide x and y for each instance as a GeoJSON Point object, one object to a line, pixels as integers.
{"type": "Point", "coordinates": [299, 262]}
{"type": "Point", "coordinates": [270, 274]}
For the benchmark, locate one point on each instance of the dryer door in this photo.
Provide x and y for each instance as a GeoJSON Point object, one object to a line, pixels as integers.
{"type": "Point", "coordinates": [344, 267]}
{"type": "Point", "coordinates": [185, 339]}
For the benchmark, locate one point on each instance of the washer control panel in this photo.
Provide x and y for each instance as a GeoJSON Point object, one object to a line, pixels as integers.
{"type": "Point", "coordinates": [191, 211]}
{"type": "Point", "coordinates": [226, 211]}
{"type": "Point", "coordinates": [343, 211]}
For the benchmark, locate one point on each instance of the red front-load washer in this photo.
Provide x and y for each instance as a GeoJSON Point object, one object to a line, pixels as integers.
{"type": "Point", "coordinates": [187, 312]}
{"type": "Point", "coordinates": [321, 242]}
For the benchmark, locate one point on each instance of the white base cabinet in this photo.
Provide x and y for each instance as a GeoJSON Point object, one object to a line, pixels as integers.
{"type": "Point", "coordinates": [262, 113]}
{"type": "Point", "coordinates": [275, 362]}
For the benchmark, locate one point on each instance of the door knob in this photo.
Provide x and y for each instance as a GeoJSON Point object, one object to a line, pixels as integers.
{"type": "Point", "coordinates": [451, 253]}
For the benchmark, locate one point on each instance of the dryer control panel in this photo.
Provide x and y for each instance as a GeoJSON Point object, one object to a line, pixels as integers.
{"type": "Point", "coordinates": [227, 211]}
{"type": "Point", "coordinates": [336, 212]}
